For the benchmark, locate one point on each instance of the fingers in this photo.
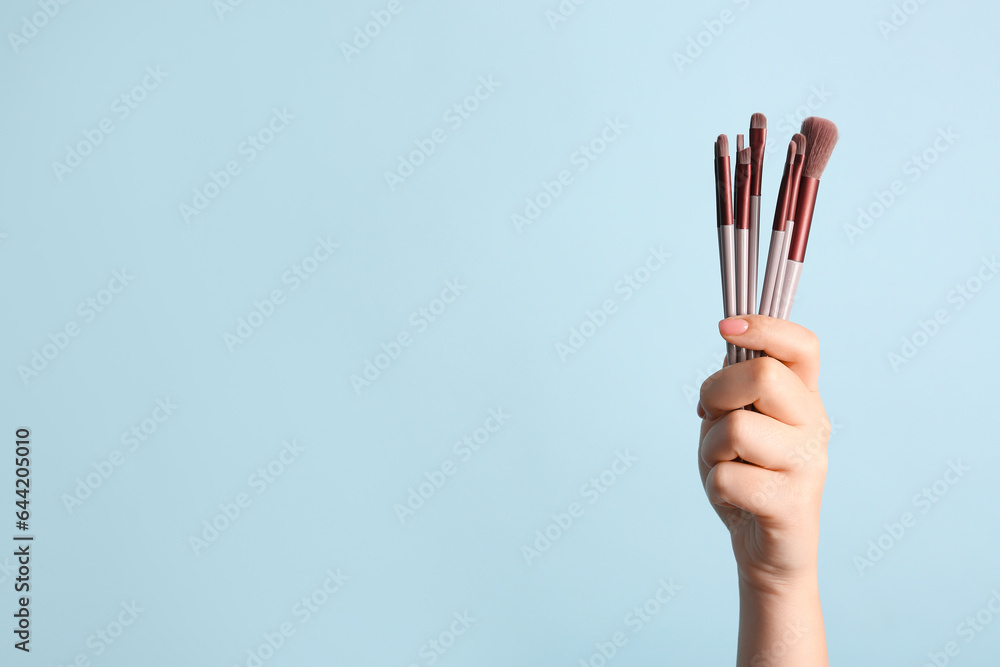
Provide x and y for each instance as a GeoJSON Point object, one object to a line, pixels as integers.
{"type": "Point", "coordinates": [751, 436]}
{"type": "Point", "coordinates": [790, 343]}
{"type": "Point", "coordinates": [747, 487]}
{"type": "Point", "coordinates": [766, 383]}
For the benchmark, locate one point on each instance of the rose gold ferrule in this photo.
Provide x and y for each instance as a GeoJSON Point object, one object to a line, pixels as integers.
{"type": "Point", "coordinates": [758, 140]}
{"type": "Point", "coordinates": [803, 218]}
{"type": "Point", "coordinates": [725, 191]}
{"type": "Point", "coordinates": [743, 196]}
{"type": "Point", "coordinates": [718, 192]}
{"type": "Point", "coordinates": [781, 206]}
{"type": "Point", "coordinates": [793, 186]}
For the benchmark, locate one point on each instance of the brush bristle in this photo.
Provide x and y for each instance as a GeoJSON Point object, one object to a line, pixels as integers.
{"type": "Point", "coordinates": [801, 143]}
{"type": "Point", "coordinates": [791, 152]}
{"type": "Point", "coordinates": [758, 122]}
{"type": "Point", "coordinates": [822, 136]}
{"type": "Point", "coordinates": [739, 143]}
{"type": "Point", "coordinates": [722, 146]}
{"type": "Point", "coordinates": [743, 156]}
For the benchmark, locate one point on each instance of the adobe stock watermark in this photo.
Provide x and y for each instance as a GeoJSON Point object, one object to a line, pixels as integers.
{"type": "Point", "coordinates": [591, 491]}
{"type": "Point", "coordinates": [436, 478]}
{"type": "Point", "coordinates": [702, 40]}
{"type": "Point", "coordinates": [420, 320]}
{"type": "Point", "coordinates": [924, 500]}
{"type": "Point", "coordinates": [31, 24]}
{"type": "Point", "coordinates": [293, 278]}
{"type": "Point", "coordinates": [366, 33]}
{"type": "Point", "coordinates": [781, 132]}
{"type": "Point", "coordinates": [436, 647]}
{"type": "Point", "coordinates": [104, 637]}
{"type": "Point", "coordinates": [635, 620]}
{"type": "Point", "coordinates": [454, 118]}
{"type": "Point", "coordinates": [230, 511]}
{"type": "Point", "coordinates": [771, 656]}
{"type": "Point", "coordinates": [914, 168]}
{"type": "Point", "coordinates": [249, 149]}
{"type": "Point", "coordinates": [898, 17]}
{"type": "Point", "coordinates": [957, 298]}
{"type": "Point", "coordinates": [87, 311]}
{"type": "Point", "coordinates": [798, 459]}
{"type": "Point", "coordinates": [713, 364]}
{"type": "Point", "coordinates": [562, 12]}
{"type": "Point", "coordinates": [121, 108]}
{"type": "Point", "coordinates": [132, 439]}
{"type": "Point", "coordinates": [581, 158]}
{"type": "Point", "coordinates": [968, 630]}
{"type": "Point", "coordinates": [595, 320]}
{"type": "Point", "coordinates": [224, 7]}
{"type": "Point", "coordinates": [304, 610]}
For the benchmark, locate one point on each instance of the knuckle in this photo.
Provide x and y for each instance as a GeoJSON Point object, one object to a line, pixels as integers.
{"type": "Point", "coordinates": [722, 480]}
{"type": "Point", "coordinates": [734, 425]}
{"type": "Point", "coordinates": [812, 344]}
{"type": "Point", "coordinates": [766, 371]}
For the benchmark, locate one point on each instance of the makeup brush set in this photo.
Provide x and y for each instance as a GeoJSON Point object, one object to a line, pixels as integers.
{"type": "Point", "coordinates": [738, 204]}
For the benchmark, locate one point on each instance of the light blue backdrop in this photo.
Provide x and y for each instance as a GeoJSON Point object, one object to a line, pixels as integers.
{"type": "Point", "coordinates": [201, 247]}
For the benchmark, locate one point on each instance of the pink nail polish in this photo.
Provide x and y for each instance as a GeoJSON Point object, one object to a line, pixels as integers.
{"type": "Point", "coordinates": [733, 327]}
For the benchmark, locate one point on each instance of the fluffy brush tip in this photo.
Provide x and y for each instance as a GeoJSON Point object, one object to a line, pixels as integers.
{"type": "Point", "coordinates": [822, 136]}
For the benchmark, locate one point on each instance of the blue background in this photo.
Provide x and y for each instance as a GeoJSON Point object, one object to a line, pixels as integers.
{"type": "Point", "coordinates": [629, 388]}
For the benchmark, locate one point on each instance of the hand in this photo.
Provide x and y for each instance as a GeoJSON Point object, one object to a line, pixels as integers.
{"type": "Point", "coordinates": [764, 471]}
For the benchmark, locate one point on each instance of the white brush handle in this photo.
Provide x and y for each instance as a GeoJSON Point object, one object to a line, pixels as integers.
{"type": "Point", "coordinates": [793, 271]}
{"type": "Point", "coordinates": [742, 257]}
{"type": "Point", "coordinates": [779, 279]}
{"type": "Point", "coordinates": [771, 271]}
{"type": "Point", "coordinates": [728, 258]}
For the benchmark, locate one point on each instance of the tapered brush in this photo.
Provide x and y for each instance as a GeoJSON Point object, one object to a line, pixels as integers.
{"type": "Point", "coordinates": [742, 231]}
{"type": "Point", "coordinates": [794, 176]}
{"type": "Point", "coordinates": [727, 267]}
{"type": "Point", "coordinates": [758, 142]}
{"type": "Point", "coordinates": [777, 235]}
{"type": "Point", "coordinates": [821, 136]}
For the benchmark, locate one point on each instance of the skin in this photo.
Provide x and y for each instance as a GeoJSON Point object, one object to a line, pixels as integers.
{"type": "Point", "coordinates": [763, 472]}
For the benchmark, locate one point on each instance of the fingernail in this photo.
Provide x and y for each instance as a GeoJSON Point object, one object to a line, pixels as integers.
{"type": "Point", "coordinates": [733, 327]}
{"type": "Point", "coordinates": [701, 411]}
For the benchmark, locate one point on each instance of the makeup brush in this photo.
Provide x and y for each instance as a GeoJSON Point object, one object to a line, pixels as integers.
{"type": "Point", "coordinates": [777, 234]}
{"type": "Point", "coordinates": [742, 236]}
{"type": "Point", "coordinates": [758, 142]}
{"type": "Point", "coordinates": [822, 136]}
{"type": "Point", "coordinates": [794, 176]}
{"type": "Point", "coordinates": [723, 183]}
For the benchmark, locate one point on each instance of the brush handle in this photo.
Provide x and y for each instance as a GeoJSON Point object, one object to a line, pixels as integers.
{"type": "Point", "coordinates": [771, 270]}
{"type": "Point", "coordinates": [793, 271]}
{"type": "Point", "coordinates": [752, 266]}
{"type": "Point", "coordinates": [727, 257]}
{"type": "Point", "coordinates": [742, 257]}
{"type": "Point", "coordinates": [779, 278]}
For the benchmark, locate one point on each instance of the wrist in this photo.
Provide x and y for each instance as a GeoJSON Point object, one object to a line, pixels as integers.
{"type": "Point", "coordinates": [781, 622]}
{"type": "Point", "coordinates": [801, 584]}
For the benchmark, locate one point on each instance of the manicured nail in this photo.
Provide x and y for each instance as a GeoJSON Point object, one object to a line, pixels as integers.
{"type": "Point", "coordinates": [733, 327]}
{"type": "Point", "coordinates": [701, 411]}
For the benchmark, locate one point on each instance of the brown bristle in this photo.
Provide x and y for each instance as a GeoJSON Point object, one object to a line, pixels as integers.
{"type": "Point", "coordinates": [743, 156]}
{"type": "Point", "coordinates": [739, 143]}
{"type": "Point", "coordinates": [791, 152]}
{"type": "Point", "coordinates": [800, 143]}
{"type": "Point", "coordinates": [758, 122]}
{"type": "Point", "coordinates": [722, 146]}
{"type": "Point", "coordinates": [822, 136]}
